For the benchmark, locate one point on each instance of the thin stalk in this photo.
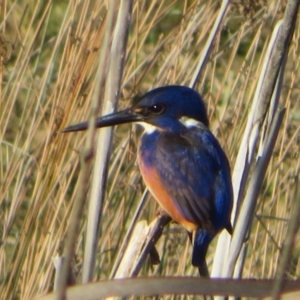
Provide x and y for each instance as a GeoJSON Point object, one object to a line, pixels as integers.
{"type": "Point", "coordinates": [119, 260]}
{"type": "Point", "coordinates": [77, 212]}
{"type": "Point", "coordinates": [112, 92]}
{"type": "Point", "coordinates": [288, 245]}
{"type": "Point", "coordinates": [258, 113]}
{"type": "Point", "coordinates": [208, 45]}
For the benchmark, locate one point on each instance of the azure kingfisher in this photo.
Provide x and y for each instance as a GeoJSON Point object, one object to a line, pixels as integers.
{"type": "Point", "coordinates": [181, 162]}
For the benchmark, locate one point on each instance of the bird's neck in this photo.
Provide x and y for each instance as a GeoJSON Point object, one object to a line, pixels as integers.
{"type": "Point", "coordinates": [147, 146]}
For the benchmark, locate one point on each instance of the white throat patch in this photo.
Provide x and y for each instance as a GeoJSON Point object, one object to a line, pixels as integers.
{"type": "Point", "coordinates": [148, 127]}
{"type": "Point", "coordinates": [189, 122]}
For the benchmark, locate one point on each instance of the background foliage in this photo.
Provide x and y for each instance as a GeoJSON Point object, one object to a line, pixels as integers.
{"type": "Point", "coordinates": [48, 59]}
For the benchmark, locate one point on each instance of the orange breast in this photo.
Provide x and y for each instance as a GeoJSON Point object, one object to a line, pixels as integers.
{"type": "Point", "coordinates": [154, 184]}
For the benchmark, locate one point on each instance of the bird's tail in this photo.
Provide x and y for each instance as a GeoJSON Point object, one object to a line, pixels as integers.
{"type": "Point", "coordinates": [201, 242]}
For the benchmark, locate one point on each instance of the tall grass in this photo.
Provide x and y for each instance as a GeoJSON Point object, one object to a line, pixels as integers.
{"type": "Point", "coordinates": [49, 54]}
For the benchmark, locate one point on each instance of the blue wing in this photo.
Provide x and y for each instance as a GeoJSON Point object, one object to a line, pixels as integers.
{"type": "Point", "coordinates": [194, 170]}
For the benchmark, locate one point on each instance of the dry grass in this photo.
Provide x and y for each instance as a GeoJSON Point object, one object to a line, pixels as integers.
{"type": "Point", "coordinates": [49, 55]}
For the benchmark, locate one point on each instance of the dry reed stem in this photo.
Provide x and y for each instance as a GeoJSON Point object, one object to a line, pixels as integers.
{"type": "Point", "coordinates": [175, 286]}
{"type": "Point", "coordinates": [111, 98]}
{"type": "Point", "coordinates": [47, 82]}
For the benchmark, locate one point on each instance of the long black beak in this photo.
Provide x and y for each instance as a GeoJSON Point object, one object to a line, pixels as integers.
{"type": "Point", "coordinates": [120, 117]}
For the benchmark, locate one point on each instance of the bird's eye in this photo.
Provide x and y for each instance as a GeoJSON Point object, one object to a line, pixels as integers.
{"type": "Point", "coordinates": [156, 109]}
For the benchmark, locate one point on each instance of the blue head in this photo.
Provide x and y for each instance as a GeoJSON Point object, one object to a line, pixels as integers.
{"type": "Point", "coordinates": [169, 108]}
{"type": "Point", "coordinates": [172, 108]}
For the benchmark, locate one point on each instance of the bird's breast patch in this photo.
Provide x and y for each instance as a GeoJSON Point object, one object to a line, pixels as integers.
{"type": "Point", "coordinates": [156, 187]}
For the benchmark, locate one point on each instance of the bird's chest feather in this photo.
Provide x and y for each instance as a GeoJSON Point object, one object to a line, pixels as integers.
{"type": "Point", "coordinates": [156, 181]}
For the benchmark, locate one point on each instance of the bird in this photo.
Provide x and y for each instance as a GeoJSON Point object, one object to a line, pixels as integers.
{"type": "Point", "coordinates": [181, 162]}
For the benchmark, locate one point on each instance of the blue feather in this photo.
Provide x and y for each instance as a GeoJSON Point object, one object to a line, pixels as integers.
{"type": "Point", "coordinates": [201, 243]}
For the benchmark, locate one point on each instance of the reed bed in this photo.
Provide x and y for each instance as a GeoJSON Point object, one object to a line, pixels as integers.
{"type": "Point", "coordinates": [50, 53]}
